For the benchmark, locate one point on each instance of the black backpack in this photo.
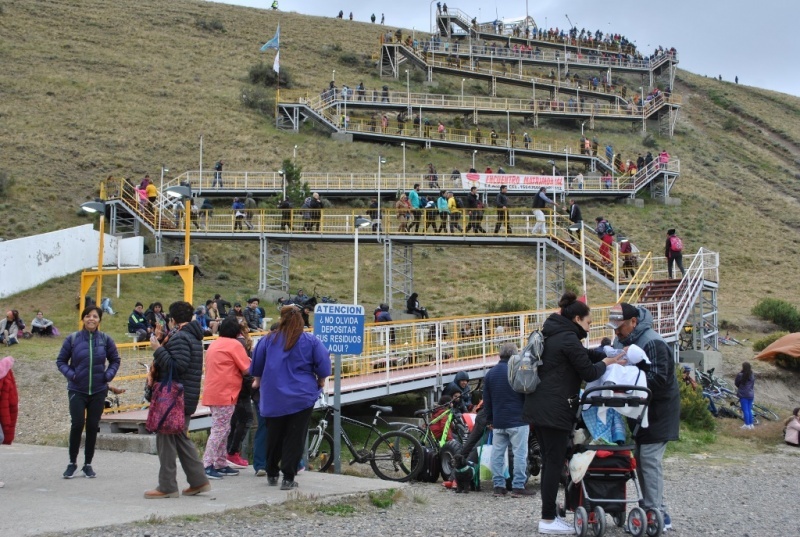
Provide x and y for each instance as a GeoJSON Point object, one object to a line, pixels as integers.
{"type": "Point", "coordinates": [459, 203]}
{"type": "Point", "coordinates": [431, 466]}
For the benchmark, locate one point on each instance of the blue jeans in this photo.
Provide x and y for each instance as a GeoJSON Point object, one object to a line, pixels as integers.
{"type": "Point", "coordinates": [747, 409]}
{"type": "Point", "coordinates": [260, 442]}
{"type": "Point", "coordinates": [518, 438]}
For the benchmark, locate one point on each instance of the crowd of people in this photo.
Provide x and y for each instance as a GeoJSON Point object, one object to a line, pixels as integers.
{"type": "Point", "coordinates": [13, 328]}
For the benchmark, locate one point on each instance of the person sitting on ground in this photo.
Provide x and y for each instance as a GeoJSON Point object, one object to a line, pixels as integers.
{"type": "Point", "coordinates": [41, 326]}
{"type": "Point", "coordinates": [137, 321]}
{"type": "Point", "coordinates": [9, 329]}
{"type": "Point", "coordinates": [792, 435]}
{"type": "Point", "coordinates": [382, 314]}
{"type": "Point", "coordinates": [437, 427]}
{"type": "Point", "coordinates": [413, 307]}
{"type": "Point", "coordinates": [460, 391]}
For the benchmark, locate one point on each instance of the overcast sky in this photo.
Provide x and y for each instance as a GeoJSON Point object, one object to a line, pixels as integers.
{"type": "Point", "coordinates": [753, 40]}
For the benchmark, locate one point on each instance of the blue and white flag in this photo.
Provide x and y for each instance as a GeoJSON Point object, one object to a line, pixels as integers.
{"type": "Point", "coordinates": [276, 66]}
{"type": "Point", "coordinates": [274, 42]}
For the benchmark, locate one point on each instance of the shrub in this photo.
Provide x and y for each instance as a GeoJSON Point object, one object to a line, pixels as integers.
{"type": "Point", "coordinates": [730, 124]}
{"type": "Point", "coordinates": [259, 99]}
{"type": "Point", "coordinates": [779, 312]}
{"type": "Point", "coordinates": [223, 276]}
{"type": "Point", "coordinates": [761, 344]}
{"type": "Point", "coordinates": [787, 362]}
{"type": "Point", "coordinates": [650, 142]}
{"type": "Point", "coordinates": [506, 306]}
{"type": "Point", "coordinates": [349, 58]}
{"type": "Point", "coordinates": [6, 184]}
{"type": "Point", "coordinates": [694, 408]}
{"type": "Point", "coordinates": [262, 74]}
{"type": "Point", "coordinates": [213, 25]}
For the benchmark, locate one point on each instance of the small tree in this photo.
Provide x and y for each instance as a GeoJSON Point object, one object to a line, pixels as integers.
{"type": "Point", "coordinates": [296, 190]}
{"type": "Point", "coordinates": [6, 184]}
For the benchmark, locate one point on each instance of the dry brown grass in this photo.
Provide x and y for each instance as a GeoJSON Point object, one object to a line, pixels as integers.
{"type": "Point", "coordinates": [97, 88]}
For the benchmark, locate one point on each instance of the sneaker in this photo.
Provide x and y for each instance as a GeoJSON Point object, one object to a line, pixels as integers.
{"type": "Point", "coordinates": [69, 473]}
{"type": "Point", "coordinates": [236, 461]}
{"type": "Point", "coordinates": [194, 491]}
{"type": "Point", "coordinates": [156, 494]}
{"type": "Point", "coordinates": [499, 492]}
{"type": "Point", "coordinates": [272, 481]}
{"type": "Point", "coordinates": [557, 526]}
{"type": "Point", "coordinates": [288, 485]}
{"type": "Point", "coordinates": [212, 473]}
{"type": "Point", "coordinates": [87, 471]}
{"type": "Point", "coordinates": [227, 471]}
{"type": "Point", "coordinates": [667, 522]}
{"type": "Point", "coordinates": [261, 472]}
{"type": "Point", "coordinates": [519, 493]}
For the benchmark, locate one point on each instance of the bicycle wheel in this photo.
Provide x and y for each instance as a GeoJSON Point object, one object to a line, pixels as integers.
{"type": "Point", "coordinates": [320, 451]}
{"type": "Point", "coordinates": [765, 413]}
{"type": "Point", "coordinates": [446, 457]}
{"type": "Point", "coordinates": [425, 438]}
{"type": "Point", "coordinates": [396, 456]}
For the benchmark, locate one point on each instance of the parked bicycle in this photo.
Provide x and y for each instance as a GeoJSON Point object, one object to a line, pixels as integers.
{"type": "Point", "coordinates": [394, 455]}
{"type": "Point", "coordinates": [451, 422]}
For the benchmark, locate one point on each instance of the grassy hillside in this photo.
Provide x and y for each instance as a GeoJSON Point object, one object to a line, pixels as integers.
{"type": "Point", "coordinates": [93, 88]}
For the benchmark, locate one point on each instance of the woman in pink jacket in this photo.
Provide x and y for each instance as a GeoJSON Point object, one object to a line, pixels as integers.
{"type": "Point", "coordinates": [226, 361]}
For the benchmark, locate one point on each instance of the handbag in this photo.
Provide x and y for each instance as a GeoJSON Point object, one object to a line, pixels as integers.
{"type": "Point", "coordinates": [166, 412]}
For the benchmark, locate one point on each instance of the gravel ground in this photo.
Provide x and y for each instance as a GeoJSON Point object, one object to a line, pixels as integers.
{"type": "Point", "coordinates": [707, 495]}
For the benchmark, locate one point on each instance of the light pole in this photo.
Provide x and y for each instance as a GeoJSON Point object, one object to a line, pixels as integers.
{"type": "Point", "coordinates": [381, 160]}
{"type": "Point", "coordinates": [333, 76]}
{"type": "Point", "coordinates": [403, 145]}
{"type": "Point", "coordinates": [462, 88]}
{"type": "Point", "coordinates": [360, 222]}
{"type": "Point", "coordinates": [430, 16]}
{"type": "Point", "coordinates": [100, 208]}
{"type": "Point", "coordinates": [164, 169]}
{"type": "Point", "coordinates": [408, 91]}
{"type": "Point", "coordinates": [582, 124]}
{"type": "Point", "coordinates": [200, 182]}
{"type": "Point", "coordinates": [294, 155]}
{"type": "Point", "coordinates": [184, 192]}
{"type": "Point", "coordinates": [553, 164]}
{"type": "Point", "coordinates": [474, 152]}
{"type": "Point", "coordinates": [282, 173]}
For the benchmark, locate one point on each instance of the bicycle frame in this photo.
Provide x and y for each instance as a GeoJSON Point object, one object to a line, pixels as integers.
{"type": "Point", "coordinates": [362, 455]}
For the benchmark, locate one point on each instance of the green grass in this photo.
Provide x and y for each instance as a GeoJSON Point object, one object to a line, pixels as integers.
{"type": "Point", "coordinates": [383, 499]}
{"type": "Point", "coordinates": [337, 509]}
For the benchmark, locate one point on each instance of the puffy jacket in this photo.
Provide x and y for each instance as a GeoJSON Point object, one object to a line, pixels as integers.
{"type": "Point", "coordinates": [466, 393]}
{"type": "Point", "coordinates": [565, 363]}
{"type": "Point", "coordinates": [664, 412]}
{"type": "Point", "coordinates": [503, 405]}
{"type": "Point", "coordinates": [136, 322]}
{"type": "Point", "coordinates": [183, 353]}
{"type": "Point", "coordinates": [82, 360]}
{"type": "Point", "coordinates": [253, 318]}
{"type": "Point", "coordinates": [9, 400]}
{"type": "Point", "coordinates": [745, 388]}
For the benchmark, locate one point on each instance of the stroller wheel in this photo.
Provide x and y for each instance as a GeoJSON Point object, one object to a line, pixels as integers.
{"type": "Point", "coordinates": [581, 521]}
{"type": "Point", "coordinates": [637, 522]}
{"type": "Point", "coordinates": [597, 522]}
{"type": "Point", "coordinates": [655, 522]}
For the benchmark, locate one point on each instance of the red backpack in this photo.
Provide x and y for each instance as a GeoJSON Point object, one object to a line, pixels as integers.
{"type": "Point", "coordinates": [675, 243]}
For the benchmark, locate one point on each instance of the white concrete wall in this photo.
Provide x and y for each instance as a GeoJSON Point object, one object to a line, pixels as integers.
{"type": "Point", "coordinates": [31, 261]}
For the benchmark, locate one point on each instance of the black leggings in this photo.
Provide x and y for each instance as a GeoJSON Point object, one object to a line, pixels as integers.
{"type": "Point", "coordinates": [286, 441]}
{"type": "Point", "coordinates": [553, 445]}
{"type": "Point", "coordinates": [85, 409]}
{"type": "Point", "coordinates": [240, 422]}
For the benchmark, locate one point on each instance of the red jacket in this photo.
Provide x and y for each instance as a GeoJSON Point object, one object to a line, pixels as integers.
{"type": "Point", "coordinates": [9, 400]}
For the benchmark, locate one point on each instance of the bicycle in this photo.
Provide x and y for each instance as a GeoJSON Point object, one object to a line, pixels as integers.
{"type": "Point", "coordinates": [447, 449]}
{"type": "Point", "coordinates": [394, 456]}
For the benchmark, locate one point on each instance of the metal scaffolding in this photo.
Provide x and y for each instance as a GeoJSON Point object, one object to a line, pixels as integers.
{"type": "Point", "coordinates": [550, 276]}
{"type": "Point", "coordinates": [399, 263]}
{"type": "Point", "coordinates": [273, 265]}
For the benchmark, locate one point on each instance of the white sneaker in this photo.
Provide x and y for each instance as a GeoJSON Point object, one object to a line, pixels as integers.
{"type": "Point", "coordinates": [557, 526]}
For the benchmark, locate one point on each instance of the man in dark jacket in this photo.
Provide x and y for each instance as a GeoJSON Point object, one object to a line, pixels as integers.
{"type": "Point", "coordinates": [502, 211]}
{"type": "Point", "coordinates": [634, 325]}
{"type": "Point", "coordinates": [137, 320]}
{"type": "Point", "coordinates": [575, 217]}
{"type": "Point", "coordinates": [182, 357]}
{"type": "Point", "coordinates": [504, 416]}
{"type": "Point", "coordinates": [460, 391]}
{"type": "Point", "coordinates": [222, 305]}
{"type": "Point", "coordinates": [253, 315]}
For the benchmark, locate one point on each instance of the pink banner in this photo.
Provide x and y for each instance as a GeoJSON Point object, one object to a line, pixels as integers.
{"type": "Point", "coordinates": [514, 182]}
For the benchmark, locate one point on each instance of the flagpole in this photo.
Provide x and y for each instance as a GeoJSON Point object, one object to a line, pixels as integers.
{"type": "Point", "coordinates": [583, 261]}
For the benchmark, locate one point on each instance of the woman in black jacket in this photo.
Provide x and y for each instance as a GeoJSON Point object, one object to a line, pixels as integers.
{"type": "Point", "coordinates": [552, 408]}
{"type": "Point", "coordinates": [182, 355]}
{"type": "Point", "coordinates": [82, 360]}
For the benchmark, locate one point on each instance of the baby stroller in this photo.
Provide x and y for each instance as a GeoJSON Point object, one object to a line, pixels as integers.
{"type": "Point", "coordinates": [602, 488]}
